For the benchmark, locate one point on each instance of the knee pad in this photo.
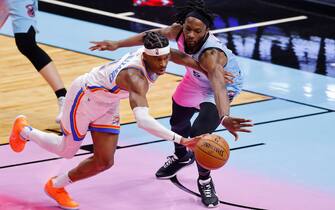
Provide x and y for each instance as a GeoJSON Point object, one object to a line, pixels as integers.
{"type": "Point", "coordinates": [27, 45]}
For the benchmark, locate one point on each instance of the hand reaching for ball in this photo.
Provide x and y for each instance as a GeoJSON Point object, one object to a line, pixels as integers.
{"type": "Point", "coordinates": [191, 142]}
{"type": "Point", "coordinates": [234, 125]}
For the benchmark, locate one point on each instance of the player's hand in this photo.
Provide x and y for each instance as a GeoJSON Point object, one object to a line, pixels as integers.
{"type": "Point", "coordinates": [104, 45]}
{"type": "Point", "coordinates": [191, 142]}
{"type": "Point", "coordinates": [235, 125]}
{"type": "Point", "coordinates": [228, 77]}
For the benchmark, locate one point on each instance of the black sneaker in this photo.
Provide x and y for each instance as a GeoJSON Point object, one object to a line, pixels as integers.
{"type": "Point", "coordinates": [173, 165]}
{"type": "Point", "coordinates": [208, 194]}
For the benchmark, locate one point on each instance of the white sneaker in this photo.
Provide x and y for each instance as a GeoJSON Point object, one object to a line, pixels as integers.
{"type": "Point", "coordinates": [61, 103]}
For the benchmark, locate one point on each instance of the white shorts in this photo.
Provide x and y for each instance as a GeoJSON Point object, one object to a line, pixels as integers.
{"type": "Point", "coordinates": [23, 14]}
{"type": "Point", "coordinates": [85, 110]}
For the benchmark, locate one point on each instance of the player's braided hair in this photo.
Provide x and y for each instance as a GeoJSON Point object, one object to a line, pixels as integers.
{"type": "Point", "coordinates": [154, 40]}
{"type": "Point", "coordinates": [191, 6]}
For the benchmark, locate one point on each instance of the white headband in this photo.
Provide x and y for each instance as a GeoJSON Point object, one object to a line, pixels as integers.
{"type": "Point", "coordinates": [157, 51]}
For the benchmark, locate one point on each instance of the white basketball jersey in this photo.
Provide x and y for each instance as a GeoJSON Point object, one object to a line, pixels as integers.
{"type": "Point", "coordinates": [104, 77]}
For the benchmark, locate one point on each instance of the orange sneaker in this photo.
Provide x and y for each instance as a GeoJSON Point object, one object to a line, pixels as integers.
{"type": "Point", "coordinates": [16, 142]}
{"type": "Point", "coordinates": [60, 196]}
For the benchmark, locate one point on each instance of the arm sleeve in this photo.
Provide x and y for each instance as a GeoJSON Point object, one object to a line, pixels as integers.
{"type": "Point", "coordinates": [147, 122]}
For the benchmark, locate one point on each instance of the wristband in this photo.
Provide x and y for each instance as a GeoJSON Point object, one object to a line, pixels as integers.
{"type": "Point", "coordinates": [222, 118]}
{"type": "Point", "coordinates": [176, 138]}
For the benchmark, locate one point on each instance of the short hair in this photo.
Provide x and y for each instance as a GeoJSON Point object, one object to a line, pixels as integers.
{"type": "Point", "coordinates": [194, 6]}
{"type": "Point", "coordinates": [153, 40]}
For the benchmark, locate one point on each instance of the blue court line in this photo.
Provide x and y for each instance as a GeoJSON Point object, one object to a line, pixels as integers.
{"type": "Point", "coordinates": [293, 101]}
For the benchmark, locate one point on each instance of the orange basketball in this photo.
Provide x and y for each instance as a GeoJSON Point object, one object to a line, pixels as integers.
{"type": "Point", "coordinates": [211, 151]}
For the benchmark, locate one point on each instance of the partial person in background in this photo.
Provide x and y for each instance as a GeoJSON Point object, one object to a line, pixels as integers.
{"type": "Point", "coordinates": [4, 14]}
{"type": "Point", "coordinates": [23, 15]}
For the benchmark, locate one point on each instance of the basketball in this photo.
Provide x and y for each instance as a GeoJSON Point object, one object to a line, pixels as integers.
{"type": "Point", "coordinates": [211, 151]}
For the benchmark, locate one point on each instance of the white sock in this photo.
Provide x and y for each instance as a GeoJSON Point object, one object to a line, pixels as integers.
{"type": "Point", "coordinates": [61, 181]}
{"type": "Point", "coordinates": [203, 182]}
{"type": "Point", "coordinates": [49, 141]}
{"type": "Point", "coordinates": [25, 132]}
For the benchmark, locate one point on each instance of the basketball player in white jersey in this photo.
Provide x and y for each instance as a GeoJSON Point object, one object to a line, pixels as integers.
{"type": "Point", "coordinates": [23, 15]}
{"type": "Point", "coordinates": [206, 92]}
{"type": "Point", "coordinates": [92, 103]}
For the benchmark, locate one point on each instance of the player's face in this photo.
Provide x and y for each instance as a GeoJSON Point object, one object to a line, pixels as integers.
{"type": "Point", "coordinates": [157, 64]}
{"type": "Point", "coordinates": [194, 31]}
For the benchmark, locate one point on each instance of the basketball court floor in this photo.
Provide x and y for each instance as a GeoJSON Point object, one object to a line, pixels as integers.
{"type": "Point", "coordinates": [286, 163]}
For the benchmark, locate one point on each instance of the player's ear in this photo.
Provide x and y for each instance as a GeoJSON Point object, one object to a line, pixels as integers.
{"type": "Point", "coordinates": [145, 57]}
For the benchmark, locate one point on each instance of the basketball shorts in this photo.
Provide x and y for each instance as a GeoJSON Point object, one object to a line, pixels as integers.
{"type": "Point", "coordinates": [86, 110]}
{"type": "Point", "coordinates": [23, 14]}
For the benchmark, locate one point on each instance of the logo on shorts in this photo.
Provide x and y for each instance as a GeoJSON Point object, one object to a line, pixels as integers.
{"type": "Point", "coordinates": [30, 10]}
{"type": "Point", "coordinates": [116, 120]}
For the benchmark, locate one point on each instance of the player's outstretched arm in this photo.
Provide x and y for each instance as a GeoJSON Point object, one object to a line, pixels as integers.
{"type": "Point", "coordinates": [170, 32]}
{"type": "Point", "coordinates": [186, 60]}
